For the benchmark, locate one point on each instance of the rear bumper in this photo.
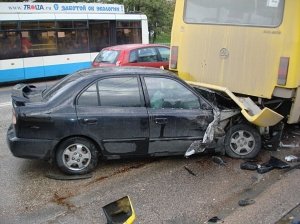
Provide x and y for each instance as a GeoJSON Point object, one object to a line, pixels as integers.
{"type": "Point", "coordinates": [29, 148]}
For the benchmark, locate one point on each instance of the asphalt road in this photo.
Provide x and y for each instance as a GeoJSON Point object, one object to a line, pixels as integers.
{"type": "Point", "coordinates": [161, 189]}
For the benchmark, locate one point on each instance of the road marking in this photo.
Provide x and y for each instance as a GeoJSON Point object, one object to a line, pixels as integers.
{"type": "Point", "coordinates": [5, 104]}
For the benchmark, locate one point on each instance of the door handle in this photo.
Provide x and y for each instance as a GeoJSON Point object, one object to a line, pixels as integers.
{"type": "Point", "coordinates": [90, 120]}
{"type": "Point", "coordinates": [161, 120]}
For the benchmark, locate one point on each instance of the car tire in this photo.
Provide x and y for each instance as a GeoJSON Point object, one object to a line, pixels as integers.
{"type": "Point", "coordinates": [242, 141]}
{"type": "Point", "coordinates": [77, 155]}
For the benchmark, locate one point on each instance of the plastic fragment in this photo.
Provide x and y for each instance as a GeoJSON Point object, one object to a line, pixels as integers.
{"type": "Point", "coordinates": [218, 160]}
{"type": "Point", "coordinates": [277, 163]}
{"type": "Point", "coordinates": [214, 219]}
{"type": "Point", "coordinates": [248, 166]}
{"type": "Point", "coordinates": [282, 145]}
{"type": "Point", "coordinates": [245, 202]}
{"type": "Point", "coordinates": [292, 158]}
{"type": "Point", "coordinates": [264, 168]}
{"type": "Point", "coordinates": [190, 171]}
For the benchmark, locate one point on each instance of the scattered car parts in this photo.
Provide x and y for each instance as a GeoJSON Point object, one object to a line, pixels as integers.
{"type": "Point", "coordinates": [273, 163]}
{"type": "Point", "coordinates": [218, 160]}
{"type": "Point", "coordinates": [292, 158]}
{"type": "Point", "coordinates": [119, 211]}
{"type": "Point", "coordinates": [189, 171]}
{"type": "Point", "coordinates": [245, 202]}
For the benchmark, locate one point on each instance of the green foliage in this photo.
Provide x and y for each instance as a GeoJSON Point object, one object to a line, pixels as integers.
{"type": "Point", "coordinates": [163, 38]}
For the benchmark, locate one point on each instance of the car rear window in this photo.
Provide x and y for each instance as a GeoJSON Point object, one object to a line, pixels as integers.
{"type": "Point", "coordinates": [61, 85]}
{"type": "Point", "coordinates": [107, 56]}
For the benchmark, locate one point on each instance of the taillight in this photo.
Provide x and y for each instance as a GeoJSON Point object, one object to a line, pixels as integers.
{"type": "Point", "coordinates": [14, 119]}
{"type": "Point", "coordinates": [174, 57]}
{"type": "Point", "coordinates": [283, 70]}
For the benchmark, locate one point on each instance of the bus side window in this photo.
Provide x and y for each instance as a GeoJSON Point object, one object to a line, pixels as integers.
{"type": "Point", "coordinates": [10, 43]}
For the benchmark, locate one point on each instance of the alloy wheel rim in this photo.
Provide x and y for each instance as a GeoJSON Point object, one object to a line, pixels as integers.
{"type": "Point", "coordinates": [76, 157]}
{"type": "Point", "coordinates": [242, 142]}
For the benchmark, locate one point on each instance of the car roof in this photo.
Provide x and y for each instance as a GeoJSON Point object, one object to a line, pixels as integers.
{"type": "Point", "coordinates": [133, 46]}
{"type": "Point", "coordinates": [126, 70]}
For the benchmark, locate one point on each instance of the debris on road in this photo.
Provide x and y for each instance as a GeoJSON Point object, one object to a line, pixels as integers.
{"type": "Point", "coordinates": [292, 158]}
{"type": "Point", "coordinates": [249, 166]}
{"type": "Point", "coordinates": [265, 167]}
{"type": "Point", "coordinates": [214, 219]}
{"type": "Point", "coordinates": [277, 163]}
{"type": "Point", "coordinates": [261, 169]}
{"type": "Point", "coordinates": [245, 202]}
{"type": "Point", "coordinates": [218, 160]}
{"type": "Point", "coordinates": [293, 145]}
{"type": "Point", "coordinates": [189, 171]}
{"type": "Point", "coordinates": [120, 211]}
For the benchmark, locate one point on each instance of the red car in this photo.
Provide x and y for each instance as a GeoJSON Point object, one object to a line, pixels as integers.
{"type": "Point", "coordinates": [149, 55]}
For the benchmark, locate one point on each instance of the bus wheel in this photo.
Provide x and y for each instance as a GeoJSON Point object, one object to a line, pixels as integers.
{"type": "Point", "coordinates": [242, 141]}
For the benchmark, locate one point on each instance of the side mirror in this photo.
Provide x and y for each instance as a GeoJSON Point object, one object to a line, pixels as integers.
{"type": "Point", "coordinates": [120, 211]}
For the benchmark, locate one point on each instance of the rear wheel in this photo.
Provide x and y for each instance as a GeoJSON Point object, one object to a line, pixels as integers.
{"type": "Point", "coordinates": [242, 141]}
{"type": "Point", "coordinates": [77, 156]}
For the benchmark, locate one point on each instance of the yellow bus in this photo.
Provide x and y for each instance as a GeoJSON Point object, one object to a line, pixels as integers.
{"type": "Point", "coordinates": [249, 49]}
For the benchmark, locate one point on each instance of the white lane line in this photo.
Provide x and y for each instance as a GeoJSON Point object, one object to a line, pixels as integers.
{"type": "Point", "coordinates": [5, 104]}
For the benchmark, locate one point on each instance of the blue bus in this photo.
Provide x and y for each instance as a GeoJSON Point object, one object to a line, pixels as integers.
{"type": "Point", "coordinates": [50, 39]}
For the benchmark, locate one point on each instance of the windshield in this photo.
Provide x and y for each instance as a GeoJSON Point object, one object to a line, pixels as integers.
{"type": "Point", "coordinates": [107, 56]}
{"type": "Point", "coordinates": [266, 13]}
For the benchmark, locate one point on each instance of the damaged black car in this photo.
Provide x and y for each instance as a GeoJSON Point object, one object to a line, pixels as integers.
{"type": "Point", "coordinates": [122, 112]}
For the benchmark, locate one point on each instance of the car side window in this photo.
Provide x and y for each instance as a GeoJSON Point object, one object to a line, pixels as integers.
{"type": "Point", "coordinates": [119, 92]}
{"type": "Point", "coordinates": [133, 56]}
{"type": "Point", "coordinates": [89, 97]}
{"type": "Point", "coordinates": [164, 53]}
{"type": "Point", "coordinates": [168, 93]}
{"type": "Point", "coordinates": [147, 55]}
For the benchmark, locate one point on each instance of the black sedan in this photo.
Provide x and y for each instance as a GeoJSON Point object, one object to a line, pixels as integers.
{"type": "Point", "coordinates": [121, 112]}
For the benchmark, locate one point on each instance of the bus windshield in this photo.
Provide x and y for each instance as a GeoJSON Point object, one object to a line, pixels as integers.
{"type": "Point", "coordinates": [264, 13]}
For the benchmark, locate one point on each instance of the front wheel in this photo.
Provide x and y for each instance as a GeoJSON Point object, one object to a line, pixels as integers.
{"type": "Point", "coordinates": [77, 156]}
{"type": "Point", "coordinates": [242, 141]}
